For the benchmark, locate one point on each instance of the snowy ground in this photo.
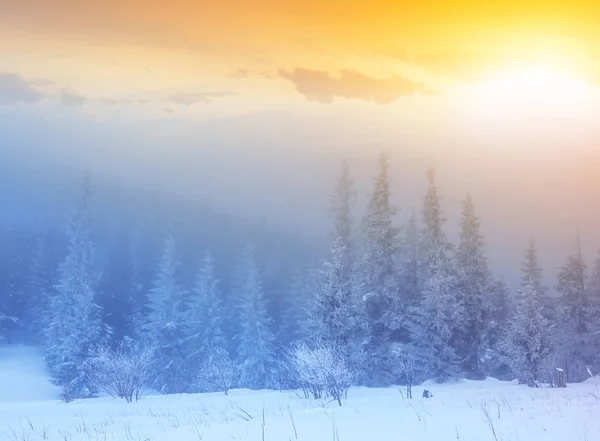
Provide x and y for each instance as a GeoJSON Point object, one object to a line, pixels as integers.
{"type": "Point", "coordinates": [469, 411]}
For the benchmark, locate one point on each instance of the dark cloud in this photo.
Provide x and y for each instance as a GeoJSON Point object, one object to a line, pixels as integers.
{"type": "Point", "coordinates": [15, 90]}
{"type": "Point", "coordinates": [190, 98]}
{"type": "Point", "coordinates": [321, 86]}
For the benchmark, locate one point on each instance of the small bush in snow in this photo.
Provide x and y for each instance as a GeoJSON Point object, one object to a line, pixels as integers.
{"type": "Point", "coordinates": [322, 368]}
{"type": "Point", "coordinates": [121, 372]}
{"type": "Point", "coordinates": [217, 372]}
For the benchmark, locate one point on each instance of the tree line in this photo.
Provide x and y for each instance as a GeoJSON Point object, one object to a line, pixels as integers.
{"type": "Point", "coordinates": [389, 304]}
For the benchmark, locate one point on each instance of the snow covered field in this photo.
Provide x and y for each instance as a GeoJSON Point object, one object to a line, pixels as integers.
{"type": "Point", "coordinates": [469, 411]}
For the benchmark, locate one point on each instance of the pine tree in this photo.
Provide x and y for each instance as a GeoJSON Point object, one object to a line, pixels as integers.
{"type": "Point", "coordinates": [38, 287]}
{"type": "Point", "coordinates": [436, 249]}
{"type": "Point", "coordinates": [531, 271]}
{"type": "Point", "coordinates": [165, 327]}
{"type": "Point", "coordinates": [594, 312]}
{"type": "Point", "coordinates": [439, 322]}
{"type": "Point", "coordinates": [500, 310]}
{"type": "Point", "coordinates": [527, 342]}
{"type": "Point", "coordinates": [594, 295]}
{"type": "Point", "coordinates": [332, 312]}
{"type": "Point", "coordinates": [574, 317]}
{"type": "Point", "coordinates": [74, 319]}
{"type": "Point", "coordinates": [499, 322]}
{"type": "Point", "coordinates": [476, 285]}
{"type": "Point", "coordinates": [296, 302]}
{"type": "Point", "coordinates": [206, 312]}
{"type": "Point", "coordinates": [255, 352]}
{"type": "Point", "coordinates": [342, 199]}
{"type": "Point", "coordinates": [435, 333]}
{"type": "Point", "coordinates": [383, 305]}
{"type": "Point", "coordinates": [138, 298]}
{"type": "Point", "coordinates": [411, 263]}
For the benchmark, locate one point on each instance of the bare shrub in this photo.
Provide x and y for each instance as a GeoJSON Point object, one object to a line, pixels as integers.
{"type": "Point", "coordinates": [322, 368]}
{"type": "Point", "coordinates": [121, 372]}
{"type": "Point", "coordinates": [217, 372]}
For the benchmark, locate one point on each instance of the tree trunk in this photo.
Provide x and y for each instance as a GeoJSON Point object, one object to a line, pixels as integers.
{"type": "Point", "coordinates": [560, 379]}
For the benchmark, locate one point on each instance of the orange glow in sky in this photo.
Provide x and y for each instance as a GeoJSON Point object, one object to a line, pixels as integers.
{"type": "Point", "coordinates": [289, 53]}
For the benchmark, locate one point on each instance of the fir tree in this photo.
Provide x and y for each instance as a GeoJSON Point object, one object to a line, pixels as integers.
{"type": "Point", "coordinates": [206, 312]}
{"type": "Point", "coordinates": [531, 271]}
{"type": "Point", "coordinates": [296, 302]}
{"type": "Point", "coordinates": [332, 313]}
{"type": "Point", "coordinates": [74, 319]}
{"type": "Point", "coordinates": [165, 327]}
{"type": "Point", "coordinates": [383, 305]}
{"type": "Point", "coordinates": [500, 310]}
{"type": "Point", "coordinates": [527, 342]}
{"type": "Point", "coordinates": [435, 332]}
{"type": "Point", "coordinates": [38, 287]}
{"type": "Point", "coordinates": [255, 352]}
{"type": "Point", "coordinates": [411, 263]}
{"type": "Point", "coordinates": [574, 316]}
{"type": "Point", "coordinates": [138, 298]}
{"type": "Point", "coordinates": [439, 322]}
{"type": "Point", "coordinates": [476, 284]}
{"type": "Point", "coordinates": [342, 199]}
{"type": "Point", "coordinates": [436, 249]}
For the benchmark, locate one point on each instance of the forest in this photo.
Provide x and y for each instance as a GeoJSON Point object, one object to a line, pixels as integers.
{"type": "Point", "coordinates": [205, 302]}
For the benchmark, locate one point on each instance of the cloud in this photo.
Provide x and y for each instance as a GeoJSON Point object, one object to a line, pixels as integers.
{"type": "Point", "coordinates": [14, 90]}
{"type": "Point", "coordinates": [72, 99]}
{"type": "Point", "coordinates": [113, 102]}
{"type": "Point", "coordinates": [242, 74]}
{"type": "Point", "coordinates": [321, 86]}
{"type": "Point", "coordinates": [190, 98]}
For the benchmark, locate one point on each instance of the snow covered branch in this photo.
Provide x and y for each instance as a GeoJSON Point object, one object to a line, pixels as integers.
{"type": "Point", "coordinates": [322, 368]}
{"type": "Point", "coordinates": [121, 372]}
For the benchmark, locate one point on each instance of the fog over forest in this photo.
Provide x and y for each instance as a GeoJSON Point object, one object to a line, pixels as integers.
{"type": "Point", "coordinates": [281, 173]}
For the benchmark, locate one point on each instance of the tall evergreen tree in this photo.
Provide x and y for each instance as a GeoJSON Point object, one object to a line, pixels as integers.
{"type": "Point", "coordinates": [383, 305]}
{"type": "Point", "coordinates": [527, 342]}
{"type": "Point", "coordinates": [594, 294]}
{"type": "Point", "coordinates": [74, 319]}
{"type": "Point", "coordinates": [166, 327]}
{"type": "Point", "coordinates": [296, 302]}
{"type": "Point", "coordinates": [138, 298]}
{"type": "Point", "coordinates": [500, 311]}
{"type": "Point", "coordinates": [332, 314]}
{"type": "Point", "coordinates": [476, 284]}
{"type": "Point", "coordinates": [436, 249]}
{"type": "Point", "coordinates": [38, 287]}
{"type": "Point", "coordinates": [206, 312]}
{"type": "Point", "coordinates": [575, 316]}
{"type": "Point", "coordinates": [342, 199]}
{"type": "Point", "coordinates": [439, 322]}
{"type": "Point", "coordinates": [411, 263]}
{"type": "Point", "coordinates": [531, 271]}
{"type": "Point", "coordinates": [255, 351]}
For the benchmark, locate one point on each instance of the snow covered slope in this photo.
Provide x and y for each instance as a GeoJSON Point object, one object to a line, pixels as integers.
{"type": "Point", "coordinates": [466, 411]}
{"type": "Point", "coordinates": [23, 376]}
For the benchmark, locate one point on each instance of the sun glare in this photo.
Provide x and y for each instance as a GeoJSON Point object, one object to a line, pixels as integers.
{"type": "Point", "coordinates": [526, 94]}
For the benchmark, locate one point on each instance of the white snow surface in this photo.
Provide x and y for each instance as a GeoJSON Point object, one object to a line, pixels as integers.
{"type": "Point", "coordinates": [463, 411]}
{"type": "Point", "coordinates": [23, 376]}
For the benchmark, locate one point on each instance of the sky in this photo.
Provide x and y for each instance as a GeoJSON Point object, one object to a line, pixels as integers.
{"type": "Point", "coordinates": [253, 104]}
